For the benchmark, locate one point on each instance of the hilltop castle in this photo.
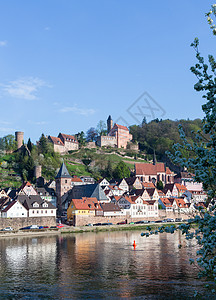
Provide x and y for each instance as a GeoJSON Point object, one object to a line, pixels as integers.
{"type": "Point", "coordinates": [117, 136]}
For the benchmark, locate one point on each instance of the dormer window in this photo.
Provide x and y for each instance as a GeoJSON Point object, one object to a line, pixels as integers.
{"type": "Point", "coordinates": [45, 204]}
{"type": "Point", "coordinates": [35, 204]}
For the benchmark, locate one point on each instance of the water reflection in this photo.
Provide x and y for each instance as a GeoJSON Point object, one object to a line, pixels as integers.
{"type": "Point", "coordinates": [103, 265]}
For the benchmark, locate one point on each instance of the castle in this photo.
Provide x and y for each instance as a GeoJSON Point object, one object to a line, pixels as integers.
{"type": "Point", "coordinates": [64, 143]}
{"type": "Point", "coordinates": [117, 136]}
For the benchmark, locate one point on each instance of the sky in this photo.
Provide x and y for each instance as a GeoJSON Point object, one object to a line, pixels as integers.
{"type": "Point", "coordinates": [65, 64]}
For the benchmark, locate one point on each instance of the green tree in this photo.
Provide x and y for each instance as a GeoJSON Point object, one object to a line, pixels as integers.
{"type": "Point", "coordinates": [121, 170]}
{"type": "Point", "coordinates": [80, 136]}
{"type": "Point", "coordinates": [8, 143]}
{"type": "Point", "coordinates": [29, 145]}
{"type": "Point", "coordinates": [109, 170]}
{"type": "Point", "coordinates": [160, 185]}
{"type": "Point", "coordinates": [43, 146]}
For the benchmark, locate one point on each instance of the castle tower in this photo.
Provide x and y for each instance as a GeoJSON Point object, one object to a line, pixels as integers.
{"type": "Point", "coordinates": [37, 171]}
{"type": "Point", "coordinates": [63, 185]}
{"type": "Point", "coordinates": [109, 124]}
{"type": "Point", "coordinates": [19, 138]}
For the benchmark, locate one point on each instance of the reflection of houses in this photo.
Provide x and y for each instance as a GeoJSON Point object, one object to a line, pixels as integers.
{"type": "Point", "coordinates": [148, 172]}
{"type": "Point", "coordinates": [64, 143]}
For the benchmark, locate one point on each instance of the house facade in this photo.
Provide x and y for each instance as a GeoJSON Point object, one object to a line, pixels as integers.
{"type": "Point", "coordinates": [14, 209]}
{"type": "Point", "coordinates": [64, 143]}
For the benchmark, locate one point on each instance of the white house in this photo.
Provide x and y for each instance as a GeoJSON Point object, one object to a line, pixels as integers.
{"type": "Point", "coordinates": [14, 210]}
{"type": "Point", "coordinates": [37, 207]}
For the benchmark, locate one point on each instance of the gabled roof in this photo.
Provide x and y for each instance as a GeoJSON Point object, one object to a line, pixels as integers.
{"type": "Point", "coordinates": [10, 205]}
{"type": "Point", "coordinates": [63, 172]}
{"type": "Point", "coordinates": [28, 202]}
{"type": "Point", "coordinates": [76, 179]}
{"type": "Point", "coordinates": [149, 169]}
{"type": "Point", "coordinates": [180, 203]}
{"type": "Point", "coordinates": [55, 140]}
{"type": "Point", "coordinates": [131, 180]}
{"type": "Point", "coordinates": [181, 187]}
{"type": "Point", "coordinates": [168, 186]}
{"type": "Point", "coordinates": [148, 185]}
{"type": "Point", "coordinates": [106, 207]}
{"type": "Point", "coordinates": [120, 127]}
{"type": "Point", "coordinates": [68, 137]}
{"type": "Point", "coordinates": [166, 202]}
{"type": "Point", "coordinates": [45, 191]}
{"type": "Point", "coordinates": [86, 203]}
{"type": "Point", "coordinates": [151, 191]}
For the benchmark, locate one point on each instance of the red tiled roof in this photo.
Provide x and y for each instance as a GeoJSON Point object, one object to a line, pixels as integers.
{"type": "Point", "coordinates": [147, 185]}
{"type": "Point", "coordinates": [121, 127]}
{"type": "Point", "coordinates": [168, 172]}
{"type": "Point", "coordinates": [56, 140]}
{"type": "Point", "coordinates": [180, 187]}
{"type": "Point", "coordinates": [180, 203]}
{"type": "Point", "coordinates": [76, 179]}
{"type": "Point", "coordinates": [149, 169]}
{"type": "Point", "coordinates": [86, 203]}
{"type": "Point", "coordinates": [166, 202]}
{"type": "Point", "coordinates": [68, 137]}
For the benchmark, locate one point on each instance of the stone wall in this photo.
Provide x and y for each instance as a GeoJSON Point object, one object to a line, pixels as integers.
{"type": "Point", "coordinates": [17, 223]}
{"type": "Point", "coordinates": [83, 220]}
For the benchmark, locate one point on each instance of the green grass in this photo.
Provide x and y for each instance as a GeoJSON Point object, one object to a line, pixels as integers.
{"type": "Point", "coordinates": [78, 170]}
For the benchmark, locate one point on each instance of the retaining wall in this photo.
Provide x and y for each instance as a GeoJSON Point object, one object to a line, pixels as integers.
{"type": "Point", "coordinates": [17, 223]}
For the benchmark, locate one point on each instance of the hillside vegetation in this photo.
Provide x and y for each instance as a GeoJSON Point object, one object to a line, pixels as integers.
{"type": "Point", "coordinates": [157, 135]}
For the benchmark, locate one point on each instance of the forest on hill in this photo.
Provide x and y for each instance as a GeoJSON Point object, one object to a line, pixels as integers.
{"type": "Point", "coordinates": [161, 135]}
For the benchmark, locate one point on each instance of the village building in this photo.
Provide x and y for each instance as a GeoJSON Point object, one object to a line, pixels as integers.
{"type": "Point", "coordinates": [179, 205]}
{"type": "Point", "coordinates": [84, 207]}
{"type": "Point", "coordinates": [111, 209]}
{"type": "Point", "coordinates": [47, 194]}
{"type": "Point", "coordinates": [103, 182]}
{"type": "Point", "coordinates": [64, 143]}
{"type": "Point", "coordinates": [133, 183]}
{"type": "Point", "coordinates": [27, 189]}
{"type": "Point", "coordinates": [14, 209]}
{"type": "Point", "coordinates": [121, 183]}
{"type": "Point", "coordinates": [76, 181]}
{"type": "Point", "coordinates": [148, 172]}
{"type": "Point", "coordinates": [164, 203]}
{"type": "Point", "coordinates": [170, 190]}
{"type": "Point", "coordinates": [36, 206]}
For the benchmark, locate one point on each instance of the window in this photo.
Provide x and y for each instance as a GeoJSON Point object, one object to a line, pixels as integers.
{"type": "Point", "coordinates": [42, 211]}
{"type": "Point", "coordinates": [65, 181]}
{"type": "Point", "coordinates": [33, 211]}
{"type": "Point", "coordinates": [37, 211]}
{"type": "Point", "coordinates": [45, 211]}
{"type": "Point", "coordinates": [51, 211]}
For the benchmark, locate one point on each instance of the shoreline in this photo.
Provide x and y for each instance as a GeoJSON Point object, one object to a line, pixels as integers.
{"type": "Point", "coordinates": [83, 229]}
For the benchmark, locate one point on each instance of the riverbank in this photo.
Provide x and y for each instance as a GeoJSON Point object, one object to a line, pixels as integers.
{"type": "Point", "coordinates": [83, 229]}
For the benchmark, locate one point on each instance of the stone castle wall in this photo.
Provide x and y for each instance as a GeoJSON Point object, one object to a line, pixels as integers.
{"type": "Point", "coordinates": [17, 223]}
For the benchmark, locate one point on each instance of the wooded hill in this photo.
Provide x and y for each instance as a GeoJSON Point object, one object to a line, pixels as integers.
{"type": "Point", "coordinates": [160, 135]}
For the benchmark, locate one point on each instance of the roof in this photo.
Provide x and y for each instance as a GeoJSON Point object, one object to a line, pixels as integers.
{"type": "Point", "coordinates": [168, 186]}
{"type": "Point", "coordinates": [151, 191]}
{"type": "Point", "coordinates": [148, 185]}
{"type": "Point", "coordinates": [149, 169]}
{"type": "Point", "coordinates": [55, 140]}
{"type": "Point", "coordinates": [10, 205]}
{"type": "Point", "coordinates": [106, 207]}
{"type": "Point", "coordinates": [180, 203]}
{"type": "Point", "coordinates": [126, 198]}
{"type": "Point", "coordinates": [68, 137]}
{"type": "Point", "coordinates": [131, 180]}
{"type": "Point", "coordinates": [76, 179]}
{"type": "Point", "coordinates": [27, 201]}
{"type": "Point", "coordinates": [86, 203]}
{"type": "Point", "coordinates": [180, 187]}
{"type": "Point", "coordinates": [45, 191]}
{"type": "Point", "coordinates": [63, 172]}
{"type": "Point", "coordinates": [166, 202]}
{"type": "Point", "coordinates": [120, 127]}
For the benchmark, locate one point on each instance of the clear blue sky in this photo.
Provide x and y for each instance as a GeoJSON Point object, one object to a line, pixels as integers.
{"type": "Point", "coordinates": [65, 65]}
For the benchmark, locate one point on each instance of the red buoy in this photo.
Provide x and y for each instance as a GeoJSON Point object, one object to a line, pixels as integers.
{"type": "Point", "coordinates": [134, 244]}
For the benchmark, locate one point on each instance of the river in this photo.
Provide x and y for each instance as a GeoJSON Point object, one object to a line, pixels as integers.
{"type": "Point", "coordinates": [101, 265]}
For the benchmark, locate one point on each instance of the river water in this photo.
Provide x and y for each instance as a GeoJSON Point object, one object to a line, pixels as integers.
{"type": "Point", "coordinates": [100, 265]}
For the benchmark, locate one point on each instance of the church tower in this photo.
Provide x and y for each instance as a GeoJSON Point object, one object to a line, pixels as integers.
{"type": "Point", "coordinates": [63, 185]}
{"type": "Point", "coordinates": [109, 124]}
